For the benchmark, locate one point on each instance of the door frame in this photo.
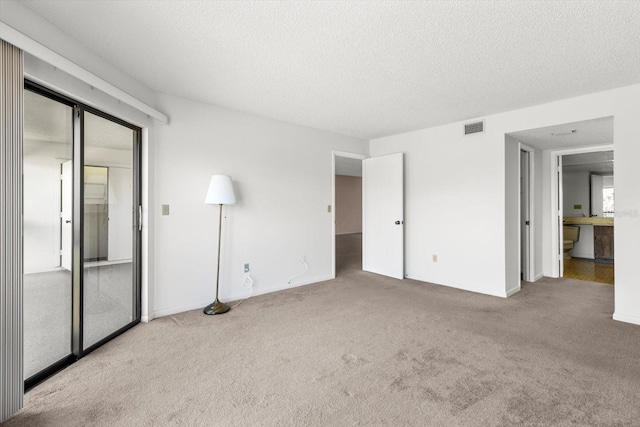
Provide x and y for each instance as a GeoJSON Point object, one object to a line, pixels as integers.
{"type": "Point", "coordinates": [556, 212]}
{"type": "Point", "coordinates": [334, 154]}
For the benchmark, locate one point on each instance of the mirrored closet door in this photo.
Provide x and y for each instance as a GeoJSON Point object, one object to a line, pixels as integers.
{"type": "Point", "coordinates": [81, 230]}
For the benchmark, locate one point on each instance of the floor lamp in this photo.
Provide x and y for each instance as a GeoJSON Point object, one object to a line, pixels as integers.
{"type": "Point", "coordinates": [220, 193]}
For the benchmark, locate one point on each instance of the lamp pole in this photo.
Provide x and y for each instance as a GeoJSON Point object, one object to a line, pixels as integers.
{"type": "Point", "coordinates": [217, 307]}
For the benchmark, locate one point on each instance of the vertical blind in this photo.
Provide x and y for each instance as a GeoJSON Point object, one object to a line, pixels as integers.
{"type": "Point", "coordinates": [11, 326]}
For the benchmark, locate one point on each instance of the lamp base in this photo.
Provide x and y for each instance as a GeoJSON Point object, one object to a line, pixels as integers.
{"type": "Point", "coordinates": [216, 307]}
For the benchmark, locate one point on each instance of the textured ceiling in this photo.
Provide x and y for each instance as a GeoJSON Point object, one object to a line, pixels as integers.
{"type": "Point", "coordinates": [348, 166]}
{"type": "Point", "coordinates": [588, 132]}
{"type": "Point", "coordinates": [366, 69]}
{"type": "Point", "coordinates": [600, 162]}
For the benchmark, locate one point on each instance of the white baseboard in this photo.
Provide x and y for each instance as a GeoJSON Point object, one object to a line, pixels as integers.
{"type": "Point", "coordinates": [257, 292]}
{"type": "Point", "coordinates": [236, 297]}
{"type": "Point", "coordinates": [349, 232]}
{"type": "Point", "coordinates": [627, 318]}
{"type": "Point", "coordinates": [181, 309]}
{"type": "Point", "coordinates": [470, 288]}
{"type": "Point", "coordinates": [512, 291]}
{"type": "Point", "coordinates": [538, 277]}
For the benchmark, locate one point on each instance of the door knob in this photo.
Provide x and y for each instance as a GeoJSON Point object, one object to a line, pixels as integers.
{"type": "Point", "coordinates": [68, 221]}
{"type": "Point", "coordinates": [398, 222]}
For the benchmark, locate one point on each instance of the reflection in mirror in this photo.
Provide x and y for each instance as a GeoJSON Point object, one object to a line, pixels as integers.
{"type": "Point", "coordinates": [608, 197]}
{"type": "Point", "coordinates": [602, 196]}
{"type": "Point", "coordinates": [596, 195]}
{"type": "Point", "coordinates": [587, 180]}
{"type": "Point", "coordinates": [47, 148]}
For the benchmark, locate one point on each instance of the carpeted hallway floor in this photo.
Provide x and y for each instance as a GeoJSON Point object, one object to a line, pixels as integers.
{"type": "Point", "coordinates": [363, 350]}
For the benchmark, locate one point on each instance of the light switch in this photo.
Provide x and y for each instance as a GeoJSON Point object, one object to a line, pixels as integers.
{"type": "Point", "coordinates": [165, 209]}
{"type": "Point", "coordinates": [328, 208]}
{"type": "Point", "coordinates": [577, 206]}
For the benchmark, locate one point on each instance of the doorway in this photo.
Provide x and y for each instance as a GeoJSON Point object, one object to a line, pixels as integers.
{"type": "Point", "coordinates": [347, 213]}
{"type": "Point", "coordinates": [81, 230]}
{"type": "Point", "coordinates": [526, 203]}
{"type": "Point", "coordinates": [588, 209]}
{"type": "Point", "coordinates": [549, 146]}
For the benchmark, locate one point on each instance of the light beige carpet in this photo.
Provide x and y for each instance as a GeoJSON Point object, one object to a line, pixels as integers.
{"type": "Point", "coordinates": [363, 350]}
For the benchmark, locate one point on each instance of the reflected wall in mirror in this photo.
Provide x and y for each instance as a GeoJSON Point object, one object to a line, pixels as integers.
{"type": "Point", "coordinates": [602, 195]}
{"type": "Point", "coordinates": [587, 182]}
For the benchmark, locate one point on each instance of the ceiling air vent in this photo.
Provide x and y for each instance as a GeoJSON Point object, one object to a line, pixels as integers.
{"type": "Point", "coordinates": [471, 128]}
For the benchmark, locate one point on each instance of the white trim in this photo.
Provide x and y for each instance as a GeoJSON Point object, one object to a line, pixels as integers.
{"type": "Point", "coordinates": [555, 193]}
{"type": "Point", "coordinates": [236, 297]}
{"type": "Point", "coordinates": [512, 291]}
{"type": "Point", "coordinates": [146, 199]}
{"type": "Point", "coordinates": [181, 309]}
{"type": "Point", "coordinates": [627, 318]}
{"type": "Point", "coordinates": [349, 155]}
{"type": "Point", "coordinates": [538, 277]}
{"type": "Point", "coordinates": [468, 288]}
{"type": "Point", "coordinates": [27, 44]}
{"type": "Point", "coordinates": [334, 154]}
{"type": "Point", "coordinates": [348, 232]}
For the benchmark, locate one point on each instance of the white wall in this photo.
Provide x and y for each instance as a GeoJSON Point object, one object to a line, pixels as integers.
{"type": "Point", "coordinates": [454, 205]}
{"type": "Point", "coordinates": [120, 213]}
{"type": "Point", "coordinates": [283, 179]}
{"type": "Point", "coordinates": [439, 218]}
{"type": "Point", "coordinates": [575, 191]}
{"type": "Point", "coordinates": [42, 204]}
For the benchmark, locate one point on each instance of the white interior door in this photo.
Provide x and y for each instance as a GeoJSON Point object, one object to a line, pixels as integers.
{"type": "Point", "coordinates": [383, 215]}
{"type": "Point", "coordinates": [66, 226]}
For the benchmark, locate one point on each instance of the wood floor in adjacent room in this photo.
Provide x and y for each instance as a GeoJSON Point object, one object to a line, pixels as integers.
{"type": "Point", "coordinates": [590, 270]}
{"type": "Point", "coordinates": [363, 350]}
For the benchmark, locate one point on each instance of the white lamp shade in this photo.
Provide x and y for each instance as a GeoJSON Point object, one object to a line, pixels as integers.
{"type": "Point", "coordinates": [220, 191]}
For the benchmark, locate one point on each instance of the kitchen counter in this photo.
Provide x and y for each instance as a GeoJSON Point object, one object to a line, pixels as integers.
{"type": "Point", "coordinates": [596, 220]}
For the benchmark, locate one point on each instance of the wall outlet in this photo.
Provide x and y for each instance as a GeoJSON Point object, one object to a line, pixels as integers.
{"type": "Point", "coordinates": [165, 209]}
{"type": "Point", "coordinates": [434, 257]}
{"type": "Point", "coordinates": [246, 268]}
{"type": "Point", "coordinates": [328, 208]}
